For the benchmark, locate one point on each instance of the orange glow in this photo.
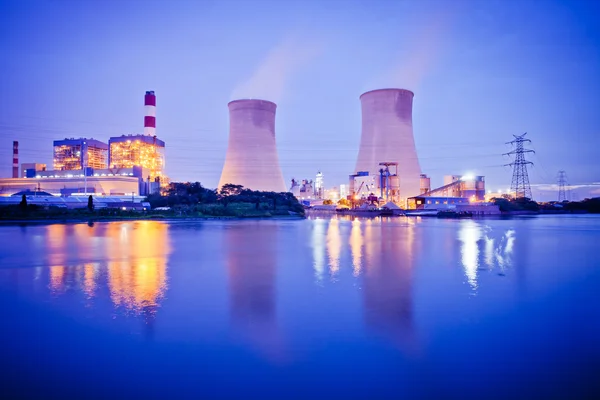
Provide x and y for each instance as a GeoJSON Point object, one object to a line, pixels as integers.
{"type": "Point", "coordinates": [129, 154]}
{"type": "Point", "coordinates": [137, 285]}
{"type": "Point", "coordinates": [137, 261]}
{"type": "Point", "coordinates": [137, 276]}
{"type": "Point", "coordinates": [89, 280]}
{"type": "Point", "coordinates": [57, 275]}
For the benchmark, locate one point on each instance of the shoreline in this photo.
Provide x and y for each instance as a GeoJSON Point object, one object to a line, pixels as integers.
{"type": "Point", "coordinates": [51, 221]}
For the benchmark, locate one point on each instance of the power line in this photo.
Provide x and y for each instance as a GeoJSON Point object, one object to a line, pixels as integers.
{"type": "Point", "coordinates": [520, 180]}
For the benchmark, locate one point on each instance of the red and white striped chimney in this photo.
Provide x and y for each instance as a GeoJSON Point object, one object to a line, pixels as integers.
{"type": "Point", "coordinates": [15, 173]}
{"type": "Point", "coordinates": [150, 117]}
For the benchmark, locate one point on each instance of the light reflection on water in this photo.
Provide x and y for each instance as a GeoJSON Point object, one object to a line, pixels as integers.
{"type": "Point", "coordinates": [136, 270]}
{"type": "Point", "coordinates": [322, 294]}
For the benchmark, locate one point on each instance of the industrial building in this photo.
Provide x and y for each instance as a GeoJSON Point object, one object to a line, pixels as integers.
{"type": "Point", "coordinates": [319, 186]}
{"type": "Point", "coordinates": [303, 190]}
{"type": "Point", "coordinates": [32, 167]}
{"type": "Point", "coordinates": [127, 165]}
{"type": "Point", "coordinates": [251, 159]}
{"type": "Point", "coordinates": [75, 154]}
{"type": "Point", "coordinates": [385, 185]}
{"type": "Point", "coordinates": [459, 193]}
{"type": "Point", "coordinates": [387, 140]}
{"type": "Point", "coordinates": [469, 187]}
{"type": "Point", "coordinates": [148, 152]}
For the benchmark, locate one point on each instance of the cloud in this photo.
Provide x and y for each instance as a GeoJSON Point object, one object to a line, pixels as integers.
{"type": "Point", "coordinates": [594, 186]}
{"type": "Point", "coordinates": [270, 78]}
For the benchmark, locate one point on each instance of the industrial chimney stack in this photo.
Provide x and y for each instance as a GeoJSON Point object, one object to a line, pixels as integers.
{"type": "Point", "coordinates": [150, 116]}
{"type": "Point", "coordinates": [251, 159]}
{"type": "Point", "coordinates": [15, 171]}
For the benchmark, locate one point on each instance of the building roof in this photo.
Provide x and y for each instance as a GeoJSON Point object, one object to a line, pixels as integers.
{"type": "Point", "coordinates": [31, 193]}
{"type": "Point", "coordinates": [80, 141]}
{"type": "Point", "coordinates": [143, 138]}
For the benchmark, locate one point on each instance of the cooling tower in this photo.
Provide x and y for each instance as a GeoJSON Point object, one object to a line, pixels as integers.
{"type": "Point", "coordinates": [251, 159]}
{"type": "Point", "coordinates": [387, 136]}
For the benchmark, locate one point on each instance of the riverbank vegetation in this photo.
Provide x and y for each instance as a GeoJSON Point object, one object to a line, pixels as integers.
{"type": "Point", "coordinates": [525, 205]}
{"type": "Point", "coordinates": [179, 200]}
{"type": "Point", "coordinates": [192, 199]}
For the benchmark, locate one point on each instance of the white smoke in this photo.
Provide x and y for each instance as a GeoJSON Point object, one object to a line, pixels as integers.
{"type": "Point", "coordinates": [270, 78]}
{"type": "Point", "coordinates": [419, 54]}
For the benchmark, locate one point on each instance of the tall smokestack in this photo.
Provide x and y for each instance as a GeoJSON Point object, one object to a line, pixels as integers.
{"type": "Point", "coordinates": [150, 116]}
{"type": "Point", "coordinates": [387, 136]}
{"type": "Point", "coordinates": [251, 159]}
{"type": "Point", "coordinates": [15, 172]}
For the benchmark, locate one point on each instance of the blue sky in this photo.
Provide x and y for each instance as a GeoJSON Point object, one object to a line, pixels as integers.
{"type": "Point", "coordinates": [481, 72]}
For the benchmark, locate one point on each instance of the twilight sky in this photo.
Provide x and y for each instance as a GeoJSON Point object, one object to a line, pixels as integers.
{"type": "Point", "coordinates": [481, 71]}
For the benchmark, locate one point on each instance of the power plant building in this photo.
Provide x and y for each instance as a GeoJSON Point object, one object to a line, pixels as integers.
{"type": "Point", "coordinates": [129, 165]}
{"type": "Point", "coordinates": [28, 170]}
{"type": "Point", "coordinates": [145, 151]}
{"type": "Point", "coordinates": [251, 159]}
{"type": "Point", "coordinates": [387, 138]}
{"type": "Point", "coordinates": [128, 151]}
{"type": "Point", "coordinates": [75, 154]}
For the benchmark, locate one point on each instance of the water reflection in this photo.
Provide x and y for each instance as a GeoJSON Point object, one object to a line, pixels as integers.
{"type": "Point", "coordinates": [469, 234]}
{"type": "Point", "coordinates": [387, 279]}
{"type": "Point", "coordinates": [356, 244]}
{"type": "Point", "coordinates": [318, 246]}
{"type": "Point", "coordinates": [89, 279]}
{"type": "Point", "coordinates": [138, 285]}
{"type": "Point", "coordinates": [136, 263]}
{"type": "Point", "coordinates": [482, 250]}
{"type": "Point", "coordinates": [334, 246]}
{"type": "Point", "coordinates": [251, 262]}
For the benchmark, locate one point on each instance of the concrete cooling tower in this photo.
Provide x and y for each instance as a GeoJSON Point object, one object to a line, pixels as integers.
{"type": "Point", "coordinates": [387, 136]}
{"type": "Point", "coordinates": [251, 159]}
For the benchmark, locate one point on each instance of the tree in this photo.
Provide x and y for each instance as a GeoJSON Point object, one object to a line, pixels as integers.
{"type": "Point", "coordinates": [327, 202]}
{"type": "Point", "coordinates": [23, 203]}
{"type": "Point", "coordinates": [344, 202]}
{"type": "Point", "coordinates": [90, 203]}
{"type": "Point", "coordinates": [229, 189]}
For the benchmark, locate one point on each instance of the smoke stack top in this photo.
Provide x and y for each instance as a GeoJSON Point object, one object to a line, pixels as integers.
{"type": "Point", "coordinates": [150, 113]}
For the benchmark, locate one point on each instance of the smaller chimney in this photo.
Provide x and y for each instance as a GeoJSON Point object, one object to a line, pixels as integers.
{"type": "Point", "coordinates": [15, 172]}
{"type": "Point", "coordinates": [150, 117]}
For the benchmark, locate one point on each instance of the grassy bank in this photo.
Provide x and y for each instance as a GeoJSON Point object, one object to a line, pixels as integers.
{"type": "Point", "coordinates": [35, 214]}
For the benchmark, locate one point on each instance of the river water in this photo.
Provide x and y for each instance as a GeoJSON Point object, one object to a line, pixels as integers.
{"type": "Point", "coordinates": [318, 308]}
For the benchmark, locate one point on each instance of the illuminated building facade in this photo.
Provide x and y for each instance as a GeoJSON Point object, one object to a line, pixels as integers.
{"type": "Point", "coordinates": [319, 185]}
{"type": "Point", "coordinates": [73, 154]}
{"type": "Point", "coordinates": [129, 151]}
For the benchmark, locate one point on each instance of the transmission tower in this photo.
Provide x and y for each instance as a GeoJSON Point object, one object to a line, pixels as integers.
{"type": "Point", "coordinates": [562, 183]}
{"type": "Point", "coordinates": [520, 180]}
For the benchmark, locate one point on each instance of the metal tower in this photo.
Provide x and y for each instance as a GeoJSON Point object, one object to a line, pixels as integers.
{"type": "Point", "coordinates": [562, 183]}
{"type": "Point", "coordinates": [520, 180]}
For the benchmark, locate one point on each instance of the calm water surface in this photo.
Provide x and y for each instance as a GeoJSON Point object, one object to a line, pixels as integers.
{"type": "Point", "coordinates": [318, 308]}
